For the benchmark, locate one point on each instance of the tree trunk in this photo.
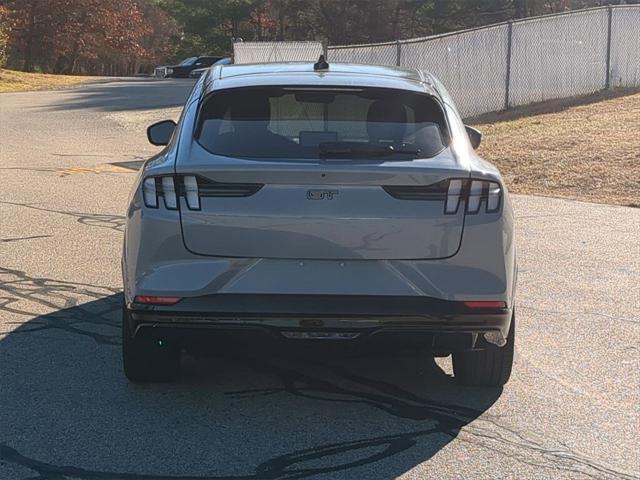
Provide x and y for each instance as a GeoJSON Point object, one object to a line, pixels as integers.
{"type": "Point", "coordinates": [59, 65]}
{"type": "Point", "coordinates": [28, 49]}
{"type": "Point", "coordinates": [396, 23]}
{"type": "Point", "coordinates": [281, 21]}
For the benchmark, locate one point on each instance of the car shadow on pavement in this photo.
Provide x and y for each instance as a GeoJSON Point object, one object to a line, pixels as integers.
{"type": "Point", "coordinates": [134, 94]}
{"type": "Point", "coordinates": [67, 411]}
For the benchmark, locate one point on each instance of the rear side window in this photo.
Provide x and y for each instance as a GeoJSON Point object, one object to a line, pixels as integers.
{"type": "Point", "coordinates": [316, 123]}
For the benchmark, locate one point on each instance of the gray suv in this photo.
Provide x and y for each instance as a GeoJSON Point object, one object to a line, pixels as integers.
{"type": "Point", "coordinates": [319, 203]}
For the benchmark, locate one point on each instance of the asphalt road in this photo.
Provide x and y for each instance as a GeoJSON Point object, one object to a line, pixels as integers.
{"type": "Point", "coordinates": [67, 161]}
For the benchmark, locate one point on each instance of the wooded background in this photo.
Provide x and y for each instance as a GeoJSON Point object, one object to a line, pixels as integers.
{"type": "Point", "coordinates": [124, 37]}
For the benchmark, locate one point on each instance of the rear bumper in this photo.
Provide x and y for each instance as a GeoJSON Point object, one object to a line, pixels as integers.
{"type": "Point", "coordinates": [446, 324]}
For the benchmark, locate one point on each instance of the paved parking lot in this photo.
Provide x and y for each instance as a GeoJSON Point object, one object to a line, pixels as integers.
{"type": "Point", "coordinates": [67, 161]}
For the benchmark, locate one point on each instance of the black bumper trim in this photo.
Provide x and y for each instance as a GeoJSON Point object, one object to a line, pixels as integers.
{"type": "Point", "coordinates": [271, 305]}
{"type": "Point", "coordinates": [273, 314]}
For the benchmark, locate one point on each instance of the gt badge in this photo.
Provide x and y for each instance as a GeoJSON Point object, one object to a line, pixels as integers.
{"type": "Point", "coordinates": [321, 194]}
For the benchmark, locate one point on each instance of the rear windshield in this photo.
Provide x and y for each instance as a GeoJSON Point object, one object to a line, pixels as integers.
{"type": "Point", "coordinates": [317, 123]}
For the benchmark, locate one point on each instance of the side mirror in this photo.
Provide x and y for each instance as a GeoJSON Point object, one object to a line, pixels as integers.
{"type": "Point", "coordinates": [475, 136]}
{"type": "Point", "coordinates": [160, 133]}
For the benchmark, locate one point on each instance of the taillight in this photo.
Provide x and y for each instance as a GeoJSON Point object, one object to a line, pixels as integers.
{"type": "Point", "coordinates": [475, 196]}
{"type": "Point", "coordinates": [149, 192]}
{"type": "Point", "coordinates": [494, 194]}
{"type": "Point", "coordinates": [169, 193]}
{"type": "Point", "coordinates": [155, 187]}
{"type": "Point", "coordinates": [191, 193]}
{"type": "Point", "coordinates": [453, 196]}
{"type": "Point", "coordinates": [475, 192]}
{"type": "Point", "coordinates": [453, 191]}
{"type": "Point", "coordinates": [192, 188]}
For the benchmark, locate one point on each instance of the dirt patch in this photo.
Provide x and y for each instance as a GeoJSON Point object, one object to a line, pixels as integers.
{"type": "Point", "coordinates": [586, 149]}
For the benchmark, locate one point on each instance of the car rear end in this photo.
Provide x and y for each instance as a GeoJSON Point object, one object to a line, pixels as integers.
{"type": "Point", "coordinates": [344, 207]}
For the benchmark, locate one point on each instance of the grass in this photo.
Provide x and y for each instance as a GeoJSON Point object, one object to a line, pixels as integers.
{"type": "Point", "coordinates": [584, 148]}
{"type": "Point", "coordinates": [14, 81]}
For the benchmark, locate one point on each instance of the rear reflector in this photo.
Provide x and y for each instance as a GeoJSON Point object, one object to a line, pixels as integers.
{"type": "Point", "coordinates": [147, 300]}
{"type": "Point", "coordinates": [485, 304]}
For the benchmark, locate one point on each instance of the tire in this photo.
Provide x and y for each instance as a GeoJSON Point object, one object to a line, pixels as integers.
{"type": "Point", "coordinates": [486, 368]}
{"type": "Point", "coordinates": [146, 359]}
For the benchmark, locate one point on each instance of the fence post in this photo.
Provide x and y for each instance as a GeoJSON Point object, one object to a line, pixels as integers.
{"type": "Point", "coordinates": [508, 74]}
{"type": "Point", "coordinates": [398, 52]}
{"type": "Point", "coordinates": [233, 50]}
{"type": "Point", "coordinates": [607, 81]}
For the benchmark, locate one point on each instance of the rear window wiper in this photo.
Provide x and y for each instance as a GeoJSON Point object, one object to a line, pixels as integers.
{"type": "Point", "coordinates": [360, 150]}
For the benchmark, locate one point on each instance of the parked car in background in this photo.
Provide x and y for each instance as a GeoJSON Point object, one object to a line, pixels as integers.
{"type": "Point", "coordinates": [305, 203]}
{"type": "Point", "coordinates": [186, 66]}
{"type": "Point", "coordinates": [199, 71]}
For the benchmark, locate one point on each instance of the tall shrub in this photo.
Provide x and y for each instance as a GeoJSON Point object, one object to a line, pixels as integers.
{"type": "Point", "coordinates": [5, 29]}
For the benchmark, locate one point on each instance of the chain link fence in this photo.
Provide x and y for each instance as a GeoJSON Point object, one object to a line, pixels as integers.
{"type": "Point", "coordinates": [500, 66]}
{"type": "Point", "coordinates": [472, 65]}
{"type": "Point", "coordinates": [373, 54]}
{"type": "Point", "coordinates": [516, 63]}
{"type": "Point", "coordinates": [624, 68]}
{"type": "Point", "coordinates": [559, 56]}
{"type": "Point", "coordinates": [261, 52]}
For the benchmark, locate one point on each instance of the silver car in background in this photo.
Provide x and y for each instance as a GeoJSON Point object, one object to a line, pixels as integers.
{"type": "Point", "coordinates": [306, 203]}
